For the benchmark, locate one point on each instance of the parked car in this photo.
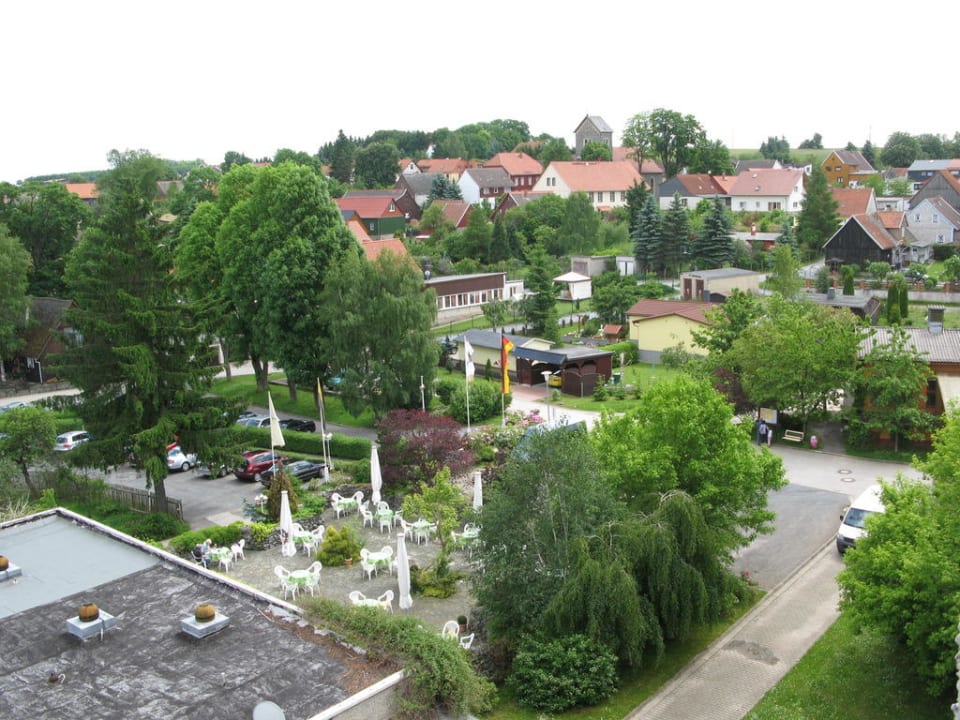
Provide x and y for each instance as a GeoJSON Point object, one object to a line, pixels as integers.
{"type": "Point", "coordinates": [205, 470]}
{"type": "Point", "coordinates": [302, 470]}
{"type": "Point", "coordinates": [16, 404]}
{"type": "Point", "coordinates": [69, 440]}
{"type": "Point", "coordinates": [298, 425]}
{"type": "Point", "coordinates": [255, 421]}
{"type": "Point", "coordinates": [177, 459]}
{"type": "Point", "coordinates": [254, 463]}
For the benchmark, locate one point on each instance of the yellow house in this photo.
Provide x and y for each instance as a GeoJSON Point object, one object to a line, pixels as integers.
{"type": "Point", "coordinates": [656, 325]}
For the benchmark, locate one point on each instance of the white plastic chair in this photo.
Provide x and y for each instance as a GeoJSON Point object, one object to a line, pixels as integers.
{"type": "Point", "coordinates": [387, 551]}
{"type": "Point", "coordinates": [335, 500]}
{"type": "Point", "coordinates": [451, 629]}
{"type": "Point", "coordinates": [398, 518]}
{"type": "Point", "coordinates": [386, 600]}
{"type": "Point", "coordinates": [368, 568]}
{"type": "Point", "coordinates": [356, 597]}
{"type": "Point", "coordinates": [238, 549]}
{"type": "Point", "coordinates": [313, 582]}
{"type": "Point", "coordinates": [383, 505]}
{"type": "Point", "coordinates": [358, 497]}
{"type": "Point", "coordinates": [367, 516]}
{"type": "Point", "coordinates": [386, 522]}
{"type": "Point", "coordinates": [407, 529]}
{"type": "Point", "coordinates": [466, 641]}
{"type": "Point", "coordinates": [284, 575]}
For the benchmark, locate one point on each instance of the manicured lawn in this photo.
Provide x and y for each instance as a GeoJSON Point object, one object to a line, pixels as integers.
{"type": "Point", "coordinates": [850, 676]}
{"type": "Point", "coordinates": [636, 686]}
{"type": "Point", "coordinates": [244, 387]}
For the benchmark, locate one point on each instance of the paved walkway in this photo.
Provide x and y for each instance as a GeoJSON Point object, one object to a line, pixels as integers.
{"type": "Point", "coordinates": [726, 680]}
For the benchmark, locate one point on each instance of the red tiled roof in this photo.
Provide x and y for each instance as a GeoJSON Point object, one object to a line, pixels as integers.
{"type": "Point", "coordinates": [725, 181]}
{"type": "Point", "coordinates": [454, 210]}
{"type": "Point", "coordinates": [626, 153]}
{"type": "Point", "coordinates": [443, 165]}
{"type": "Point", "coordinates": [358, 230]}
{"type": "Point", "coordinates": [373, 248]}
{"type": "Point", "coordinates": [766, 182]}
{"type": "Point", "coordinates": [691, 310]}
{"type": "Point", "coordinates": [891, 219]}
{"type": "Point", "coordinates": [852, 201]}
{"type": "Point", "coordinates": [700, 184]}
{"type": "Point", "coordinates": [85, 191]}
{"type": "Point", "coordinates": [369, 207]}
{"type": "Point", "coordinates": [593, 176]}
{"type": "Point", "coordinates": [515, 163]}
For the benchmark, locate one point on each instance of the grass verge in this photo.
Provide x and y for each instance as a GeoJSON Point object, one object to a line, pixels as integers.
{"type": "Point", "coordinates": [848, 675]}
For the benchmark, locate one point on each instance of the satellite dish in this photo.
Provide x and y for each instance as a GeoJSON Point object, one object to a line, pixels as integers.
{"type": "Point", "coordinates": [268, 710]}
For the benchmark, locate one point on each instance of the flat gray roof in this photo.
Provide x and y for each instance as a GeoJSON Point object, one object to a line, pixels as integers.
{"type": "Point", "coordinates": [145, 667]}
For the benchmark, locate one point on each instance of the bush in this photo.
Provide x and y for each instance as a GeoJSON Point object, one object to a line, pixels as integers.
{"type": "Point", "coordinates": [220, 535]}
{"type": "Point", "coordinates": [444, 388]}
{"type": "Point", "coordinates": [484, 401]}
{"type": "Point", "coordinates": [311, 505]}
{"type": "Point", "coordinates": [560, 674]}
{"type": "Point", "coordinates": [337, 546]}
{"type": "Point", "coordinates": [361, 471]}
{"type": "Point", "coordinates": [438, 581]}
{"type": "Point", "coordinates": [600, 391]}
{"type": "Point", "coordinates": [341, 446]}
{"type": "Point", "coordinates": [631, 354]}
{"type": "Point", "coordinates": [415, 446]}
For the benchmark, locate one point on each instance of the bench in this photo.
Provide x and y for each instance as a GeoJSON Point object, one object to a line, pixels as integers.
{"type": "Point", "coordinates": [793, 436]}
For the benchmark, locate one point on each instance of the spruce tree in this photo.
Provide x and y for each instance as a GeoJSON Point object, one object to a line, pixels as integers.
{"type": "Point", "coordinates": [818, 219]}
{"type": "Point", "coordinates": [541, 307]}
{"type": "Point", "coordinates": [136, 352]}
{"type": "Point", "coordinates": [341, 161]}
{"type": "Point", "coordinates": [713, 248]}
{"type": "Point", "coordinates": [647, 235]}
{"type": "Point", "coordinates": [636, 199]}
{"type": "Point", "coordinates": [676, 235]}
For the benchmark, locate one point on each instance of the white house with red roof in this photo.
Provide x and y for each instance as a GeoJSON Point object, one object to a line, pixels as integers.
{"type": "Point", "coordinates": [605, 183]}
{"type": "Point", "coordinates": [765, 190]}
{"type": "Point", "coordinates": [524, 170]}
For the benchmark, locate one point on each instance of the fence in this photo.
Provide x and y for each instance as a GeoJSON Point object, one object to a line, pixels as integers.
{"type": "Point", "coordinates": [134, 498]}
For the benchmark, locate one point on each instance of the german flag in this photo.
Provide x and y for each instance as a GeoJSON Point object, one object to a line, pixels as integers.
{"type": "Point", "coordinates": [505, 347]}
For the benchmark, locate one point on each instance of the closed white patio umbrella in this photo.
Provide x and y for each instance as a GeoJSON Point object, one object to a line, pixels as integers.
{"type": "Point", "coordinates": [288, 548]}
{"type": "Point", "coordinates": [477, 490]}
{"type": "Point", "coordinates": [376, 479]}
{"type": "Point", "coordinates": [403, 573]}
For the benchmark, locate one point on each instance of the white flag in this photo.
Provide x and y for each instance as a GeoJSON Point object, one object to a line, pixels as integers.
{"type": "Point", "coordinates": [468, 356]}
{"type": "Point", "coordinates": [276, 437]}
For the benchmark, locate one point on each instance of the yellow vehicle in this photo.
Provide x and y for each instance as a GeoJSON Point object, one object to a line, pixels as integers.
{"type": "Point", "coordinates": [555, 380]}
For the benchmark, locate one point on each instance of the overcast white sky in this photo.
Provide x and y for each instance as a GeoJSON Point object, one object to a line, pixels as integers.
{"type": "Point", "coordinates": [194, 79]}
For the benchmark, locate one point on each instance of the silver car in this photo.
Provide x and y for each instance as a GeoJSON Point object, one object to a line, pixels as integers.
{"type": "Point", "coordinates": [179, 460]}
{"type": "Point", "coordinates": [69, 440]}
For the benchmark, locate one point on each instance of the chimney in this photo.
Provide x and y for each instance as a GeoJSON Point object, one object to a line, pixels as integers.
{"type": "Point", "coordinates": [831, 293]}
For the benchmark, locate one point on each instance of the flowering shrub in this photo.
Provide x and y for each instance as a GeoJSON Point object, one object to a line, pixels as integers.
{"type": "Point", "coordinates": [506, 436]}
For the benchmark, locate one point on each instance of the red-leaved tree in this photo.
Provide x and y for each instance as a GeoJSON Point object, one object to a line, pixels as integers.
{"type": "Point", "coordinates": [414, 446]}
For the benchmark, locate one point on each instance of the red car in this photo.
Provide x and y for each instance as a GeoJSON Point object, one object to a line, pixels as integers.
{"type": "Point", "coordinates": [255, 462]}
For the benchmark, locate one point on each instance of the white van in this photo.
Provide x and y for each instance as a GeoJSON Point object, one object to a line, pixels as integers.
{"type": "Point", "coordinates": [854, 518]}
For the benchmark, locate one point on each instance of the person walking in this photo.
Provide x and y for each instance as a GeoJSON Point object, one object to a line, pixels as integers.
{"type": "Point", "coordinates": [762, 431]}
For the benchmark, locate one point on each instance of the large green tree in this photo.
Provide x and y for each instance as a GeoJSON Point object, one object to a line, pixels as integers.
{"type": "Point", "coordinates": [137, 357]}
{"type": "Point", "coordinates": [47, 218]}
{"type": "Point", "coordinates": [14, 268]}
{"type": "Point", "coordinates": [666, 136]}
{"type": "Point", "coordinates": [341, 159]}
{"type": "Point", "coordinates": [613, 295]}
{"type": "Point", "coordinates": [818, 219]}
{"type": "Point", "coordinates": [887, 389]}
{"type": "Point", "coordinates": [785, 278]}
{"type": "Point", "coordinates": [711, 157]}
{"type": "Point", "coordinates": [680, 437]}
{"type": "Point", "coordinates": [27, 435]}
{"type": "Point", "coordinates": [647, 235]}
{"type": "Point", "coordinates": [379, 331]}
{"type": "Point", "coordinates": [581, 224]}
{"type": "Point", "coordinates": [377, 165]}
{"type": "Point", "coordinates": [801, 356]}
{"type": "Point", "coordinates": [776, 148]}
{"type": "Point", "coordinates": [900, 150]}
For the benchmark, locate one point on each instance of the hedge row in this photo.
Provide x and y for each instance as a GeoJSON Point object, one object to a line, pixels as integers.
{"type": "Point", "coordinates": [341, 446]}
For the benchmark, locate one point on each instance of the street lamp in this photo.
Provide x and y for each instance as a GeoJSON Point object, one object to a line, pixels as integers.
{"type": "Point", "coordinates": [423, 401]}
{"type": "Point", "coordinates": [546, 383]}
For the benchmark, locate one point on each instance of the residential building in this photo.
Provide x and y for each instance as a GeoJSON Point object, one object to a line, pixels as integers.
{"type": "Point", "coordinates": [691, 188]}
{"type": "Point", "coordinates": [524, 171]}
{"type": "Point", "coordinates": [650, 170]}
{"type": "Point", "coordinates": [380, 214]}
{"type": "Point", "coordinates": [942, 183]}
{"type": "Point", "coordinates": [867, 307]}
{"type": "Point", "coordinates": [456, 211]}
{"type": "Point", "coordinates": [418, 186]}
{"type": "Point", "coordinates": [401, 197]}
{"type": "Point", "coordinates": [87, 192]}
{"type": "Point", "coordinates": [757, 164]}
{"type": "Point", "coordinates": [484, 184]}
{"type": "Point", "coordinates": [461, 296]}
{"type": "Point", "coordinates": [854, 201]}
{"type": "Point", "coordinates": [846, 168]}
{"type": "Point", "coordinates": [372, 248]}
{"type": "Point", "coordinates": [605, 183]}
{"type": "Point", "coordinates": [516, 199]}
{"type": "Point", "coordinates": [487, 345]}
{"type": "Point", "coordinates": [920, 171]}
{"type": "Point", "coordinates": [592, 128]}
{"type": "Point", "coordinates": [451, 167]}
{"type": "Point", "coordinates": [656, 325]}
{"type": "Point", "coordinates": [766, 190]}
{"type": "Point", "coordinates": [932, 222]}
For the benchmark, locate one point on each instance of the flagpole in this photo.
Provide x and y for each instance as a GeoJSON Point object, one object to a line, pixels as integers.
{"type": "Point", "coordinates": [324, 443]}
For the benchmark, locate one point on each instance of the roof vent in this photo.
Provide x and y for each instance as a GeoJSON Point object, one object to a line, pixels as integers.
{"type": "Point", "coordinates": [95, 621]}
{"type": "Point", "coordinates": [8, 570]}
{"type": "Point", "coordinates": [205, 621]}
